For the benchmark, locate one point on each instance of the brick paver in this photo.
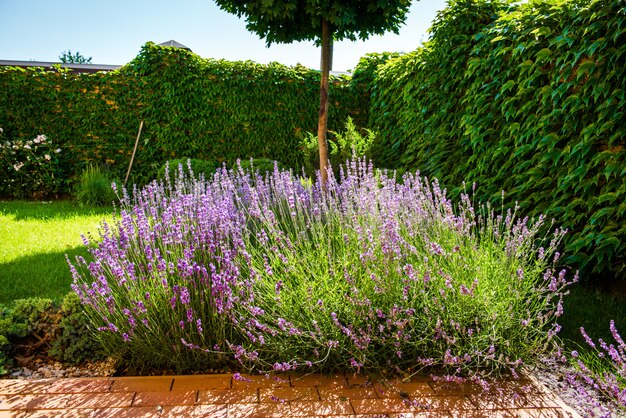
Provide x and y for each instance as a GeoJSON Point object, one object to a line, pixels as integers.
{"type": "Point", "coordinates": [228, 396]}
{"type": "Point", "coordinates": [339, 393]}
{"type": "Point", "coordinates": [199, 382]}
{"type": "Point", "coordinates": [287, 395]}
{"type": "Point", "coordinates": [172, 398]}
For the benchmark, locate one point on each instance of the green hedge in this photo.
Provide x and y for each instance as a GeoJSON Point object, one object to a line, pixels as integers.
{"type": "Point", "coordinates": [191, 108]}
{"type": "Point", "coordinates": [526, 98]}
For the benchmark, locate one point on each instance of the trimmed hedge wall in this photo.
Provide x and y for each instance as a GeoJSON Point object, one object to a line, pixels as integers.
{"type": "Point", "coordinates": [526, 98]}
{"type": "Point", "coordinates": [191, 107]}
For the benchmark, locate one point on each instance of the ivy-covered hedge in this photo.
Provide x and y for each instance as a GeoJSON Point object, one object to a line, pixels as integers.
{"type": "Point", "coordinates": [526, 98]}
{"type": "Point", "coordinates": [191, 107]}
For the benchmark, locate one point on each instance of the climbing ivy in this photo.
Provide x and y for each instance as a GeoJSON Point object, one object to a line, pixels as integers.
{"type": "Point", "coordinates": [191, 107]}
{"type": "Point", "coordinates": [528, 98]}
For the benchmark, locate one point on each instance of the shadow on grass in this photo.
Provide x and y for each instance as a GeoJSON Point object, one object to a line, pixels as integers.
{"type": "Point", "coordinates": [45, 275]}
{"type": "Point", "coordinates": [592, 309]}
{"type": "Point", "coordinates": [58, 209]}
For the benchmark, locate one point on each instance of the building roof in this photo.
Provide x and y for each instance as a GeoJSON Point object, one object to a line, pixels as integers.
{"type": "Point", "coordinates": [175, 44]}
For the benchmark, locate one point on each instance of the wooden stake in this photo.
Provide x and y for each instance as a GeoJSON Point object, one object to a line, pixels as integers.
{"type": "Point", "coordinates": [132, 158]}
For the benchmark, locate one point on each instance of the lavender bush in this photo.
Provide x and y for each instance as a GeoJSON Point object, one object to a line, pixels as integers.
{"type": "Point", "coordinates": [601, 367]}
{"type": "Point", "coordinates": [280, 274]}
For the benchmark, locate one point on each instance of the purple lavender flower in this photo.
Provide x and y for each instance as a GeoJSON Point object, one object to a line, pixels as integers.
{"type": "Point", "coordinates": [296, 276]}
{"type": "Point", "coordinates": [239, 377]}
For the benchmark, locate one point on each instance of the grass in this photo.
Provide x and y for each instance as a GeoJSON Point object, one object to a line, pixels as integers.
{"type": "Point", "coordinates": [34, 238]}
{"type": "Point", "coordinates": [592, 309]}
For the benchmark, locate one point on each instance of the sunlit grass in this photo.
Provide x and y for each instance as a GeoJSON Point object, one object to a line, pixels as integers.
{"type": "Point", "coordinates": [34, 238]}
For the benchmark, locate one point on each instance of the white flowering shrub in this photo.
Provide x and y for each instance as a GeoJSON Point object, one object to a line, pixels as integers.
{"type": "Point", "coordinates": [29, 169]}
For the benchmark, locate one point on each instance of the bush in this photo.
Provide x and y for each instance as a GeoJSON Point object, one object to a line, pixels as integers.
{"type": "Point", "coordinates": [188, 167]}
{"type": "Point", "coordinates": [36, 326]}
{"type": "Point", "coordinates": [342, 146]}
{"type": "Point", "coordinates": [600, 367]}
{"type": "Point", "coordinates": [32, 317]}
{"type": "Point", "coordinates": [6, 329]}
{"type": "Point", "coordinates": [30, 169]}
{"type": "Point", "coordinates": [74, 342]}
{"type": "Point", "coordinates": [257, 165]}
{"type": "Point", "coordinates": [366, 274]}
{"type": "Point", "coordinates": [95, 187]}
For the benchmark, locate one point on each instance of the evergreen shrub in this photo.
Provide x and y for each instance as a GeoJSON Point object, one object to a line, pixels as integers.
{"type": "Point", "coordinates": [188, 166]}
{"type": "Point", "coordinates": [257, 165]}
{"type": "Point", "coordinates": [74, 341]}
{"type": "Point", "coordinates": [39, 327]}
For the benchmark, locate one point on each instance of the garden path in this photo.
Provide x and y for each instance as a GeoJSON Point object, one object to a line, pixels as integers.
{"type": "Point", "coordinates": [282, 396]}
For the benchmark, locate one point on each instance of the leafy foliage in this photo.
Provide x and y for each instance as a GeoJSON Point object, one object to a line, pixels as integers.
{"type": "Point", "coordinates": [37, 326]}
{"type": "Point", "coordinates": [296, 20]}
{"type": "Point", "coordinates": [343, 145]}
{"type": "Point", "coordinates": [31, 168]}
{"type": "Point", "coordinates": [526, 98]}
{"type": "Point", "coordinates": [320, 21]}
{"type": "Point", "coordinates": [77, 58]}
{"type": "Point", "coordinates": [27, 317]}
{"type": "Point", "coordinates": [212, 110]}
{"type": "Point", "coordinates": [74, 342]}
{"type": "Point", "coordinates": [188, 167]}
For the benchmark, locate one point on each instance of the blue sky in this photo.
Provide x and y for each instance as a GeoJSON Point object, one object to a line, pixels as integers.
{"type": "Point", "coordinates": [113, 31]}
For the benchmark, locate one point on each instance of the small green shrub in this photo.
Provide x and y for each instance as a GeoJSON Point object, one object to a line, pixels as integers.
{"type": "Point", "coordinates": [257, 165]}
{"type": "Point", "coordinates": [37, 326]}
{"type": "Point", "coordinates": [33, 316]}
{"type": "Point", "coordinates": [341, 147]}
{"type": "Point", "coordinates": [3, 357]}
{"type": "Point", "coordinates": [189, 166]}
{"type": "Point", "coordinates": [74, 342]}
{"type": "Point", "coordinates": [5, 329]}
{"type": "Point", "coordinates": [94, 187]}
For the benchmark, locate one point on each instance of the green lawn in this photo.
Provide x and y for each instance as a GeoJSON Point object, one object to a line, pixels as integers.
{"type": "Point", "coordinates": [592, 309]}
{"type": "Point", "coordinates": [34, 238]}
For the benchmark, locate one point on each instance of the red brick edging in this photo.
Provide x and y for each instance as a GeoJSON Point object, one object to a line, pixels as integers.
{"type": "Point", "coordinates": [277, 396]}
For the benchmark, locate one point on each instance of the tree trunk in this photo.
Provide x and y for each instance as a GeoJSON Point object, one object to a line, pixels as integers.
{"type": "Point", "coordinates": [323, 119]}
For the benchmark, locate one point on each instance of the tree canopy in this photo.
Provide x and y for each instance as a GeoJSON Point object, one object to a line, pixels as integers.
{"type": "Point", "coordinates": [321, 21]}
{"type": "Point", "coordinates": [287, 21]}
{"type": "Point", "coordinates": [68, 58]}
